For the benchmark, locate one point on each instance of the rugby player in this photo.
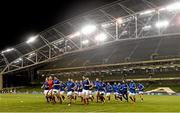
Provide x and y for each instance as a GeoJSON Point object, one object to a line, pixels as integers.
{"type": "Point", "coordinates": [141, 91]}
{"type": "Point", "coordinates": [132, 91]}
{"type": "Point", "coordinates": [109, 90]}
{"type": "Point", "coordinates": [70, 89]}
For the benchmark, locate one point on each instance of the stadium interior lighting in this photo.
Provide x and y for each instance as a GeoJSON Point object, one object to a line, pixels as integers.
{"type": "Point", "coordinates": [88, 29]}
{"type": "Point", "coordinates": [32, 39]}
{"type": "Point", "coordinates": [148, 12]}
{"type": "Point", "coordinates": [31, 55]}
{"type": "Point", "coordinates": [101, 37]}
{"type": "Point", "coordinates": [161, 24]}
{"type": "Point", "coordinates": [146, 28]}
{"type": "Point", "coordinates": [76, 34]}
{"type": "Point", "coordinates": [18, 60]}
{"type": "Point", "coordinates": [175, 6]}
{"type": "Point", "coordinates": [8, 50]}
{"type": "Point", "coordinates": [119, 20]}
{"type": "Point", "coordinates": [85, 42]}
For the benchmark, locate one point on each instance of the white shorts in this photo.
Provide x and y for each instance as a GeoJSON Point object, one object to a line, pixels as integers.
{"type": "Point", "coordinates": [69, 93]}
{"type": "Point", "coordinates": [116, 93]}
{"type": "Point", "coordinates": [80, 93]}
{"type": "Point", "coordinates": [108, 94]}
{"type": "Point", "coordinates": [55, 92]}
{"type": "Point", "coordinates": [132, 94]}
{"type": "Point", "coordinates": [76, 92]}
{"type": "Point", "coordinates": [90, 92]}
{"type": "Point", "coordinates": [46, 92]}
{"type": "Point", "coordinates": [141, 92]}
{"type": "Point", "coordinates": [102, 92]}
{"type": "Point", "coordinates": [85, 92]}
{"type": "Point", "coordinates": [50, 92]}
{"type": "Point", "coordinates": [62, 92]}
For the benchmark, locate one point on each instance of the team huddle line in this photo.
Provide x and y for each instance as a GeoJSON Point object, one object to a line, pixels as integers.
{"type": "Point", "coordinates": [86, 90]}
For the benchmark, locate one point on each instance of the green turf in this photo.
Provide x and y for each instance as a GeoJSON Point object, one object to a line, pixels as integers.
{"type": "Point", "coordinates": [37, 103]}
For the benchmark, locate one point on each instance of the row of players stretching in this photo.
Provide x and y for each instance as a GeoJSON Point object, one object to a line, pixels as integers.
{"type": "Point", "coordinates": [54, 90]}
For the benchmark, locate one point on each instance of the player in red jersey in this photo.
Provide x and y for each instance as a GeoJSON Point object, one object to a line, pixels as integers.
{"type": "Point", "coordinates": [50, 85]}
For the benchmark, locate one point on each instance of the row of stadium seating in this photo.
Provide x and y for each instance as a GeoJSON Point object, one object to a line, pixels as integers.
{"type": "Point", "coordinates": [121, 51]}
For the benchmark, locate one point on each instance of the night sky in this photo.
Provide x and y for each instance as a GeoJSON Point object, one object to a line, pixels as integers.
{"type": "Point", "coordinates": [22, 18]}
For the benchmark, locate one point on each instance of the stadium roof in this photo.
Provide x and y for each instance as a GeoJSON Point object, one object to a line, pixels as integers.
{"type": "Point", "coordinates": [117, 20]}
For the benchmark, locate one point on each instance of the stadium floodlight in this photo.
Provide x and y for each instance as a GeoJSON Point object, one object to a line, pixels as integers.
{"type": "Point", "coordinates": [88, 29]}
{"type": "Point", "coordinates": [161, 24]}
{"type": "Point", "coordinates": [31, 55]}
{"type": "Point", "coordinates": [76, 34]}
{"type": "Point", "coordinates": [174, 6]}
{"type": "Point", "coordinates": [85, 42]}
{"type": "Point", "coordinates": [8, 50]}
{"type": "Point", "coordinates": [32, 39]}
{"type": "Point", "coordinates": [119, 20]}
{"type": "Point", "coordinates": [101, 37]}
{"type": "Point", "coordinates": [146, 28]}
{"type": "Point", "coordinates": [147, 12]}
{"type": "Point", "coordinates": [18, 60]}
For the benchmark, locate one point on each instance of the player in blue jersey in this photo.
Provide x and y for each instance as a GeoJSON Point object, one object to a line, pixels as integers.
{"type": "Point", "coordinates": [79, 89]}
{"type": "Point", "coordinates": [124, 90]}
{"type": "Point", "coordinates": [141, 91]}
{"type": "Point", "coordinates": [120, 91]}
{"type": "Point", "coordinates": [132, 91]}
{"type": "Point", "coordinates": [109, 90]}
{"type": "Point", "coordinates": [45, 86]}
{"type": "Point", "coordinates": [86, 86]}
{"type": "Point", "coordinates": [102, 91]}
{"type": "Point", "coordinates": [91, 97]}
{"type": "Point", "coordinates": [96, 85]}
{"type": "Point", "coordinates": [56, 90]}
{"type": "Point", "coordinates": [70, 89]}
{"type": "Point", "coordinates": [115, 89]}
{"type": "Point", "coordinates": [62, 90]}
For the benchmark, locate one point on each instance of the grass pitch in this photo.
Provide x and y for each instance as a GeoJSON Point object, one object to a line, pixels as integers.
{"type": "Point", "coordinates": [37, 103]}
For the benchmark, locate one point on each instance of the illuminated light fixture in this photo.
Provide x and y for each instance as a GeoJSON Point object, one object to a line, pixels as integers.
{"type": "Point", "coordinates": [119, 20]}
{"type": "Point", "coordinates": [124, 33]}
{"type": "Point", "coordinates": [76, 34]}
{"type": "Point", "coordinates": [31, 55]}
{"type": "Point", "coordinates": [175, 6]}
{"type": "Point", "coordinates": [8, 50]}
{"type": "Point", "coordinates": [88, 29]}
{"type": "Point", "coordinates": [147, 12]}
{"type": "Point", "coordinates": [18, 60]}
{"type": "Point", "coordinates": [85, 42]}
{"type": "Point", "coordinates": [106, 25]}
{"type": "Point", "coordinates": [32, 39]}
{"type": "Point", "coordinates": [146, 28]}
{"type": "Point", "coordinates": [161, 24]}
{"type": "Point", "coordinates": [101, 37]}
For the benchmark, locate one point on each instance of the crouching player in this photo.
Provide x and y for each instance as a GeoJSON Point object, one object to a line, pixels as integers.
{"type": "Point", "coordinates": [70, 89]}
{"type": "Point", "coordinates": [56, 90]}
{"type": "Point", "coordinates": [132, 91]}
{"type": "Point", "coordinates": [109, 90]}
{"type": "Point", "coordinates": [46, 90]}
{"type": "Point", "coordinates": [141, 91]}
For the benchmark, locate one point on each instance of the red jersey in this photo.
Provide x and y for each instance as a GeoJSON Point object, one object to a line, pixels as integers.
{"type": "Point", "coordinates": [50, 84]}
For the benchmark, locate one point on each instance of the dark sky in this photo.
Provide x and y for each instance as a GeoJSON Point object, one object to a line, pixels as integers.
{"type": "Point", "coordinates": [21, 18]}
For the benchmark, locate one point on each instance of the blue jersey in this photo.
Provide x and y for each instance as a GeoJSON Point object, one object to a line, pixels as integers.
{"type": "Point", "coordinates": [124, 88]}
{"type": "Point", "coordinates": [115, 88]}
{"type": "Point", "coordinates": [101, 86]}
{"type": "Point", "coordinates": [141, 87]}
{"type": "Point", "coordinates": [96, 84]}
{"type": "Point", "coordinates": [132, 87]}
{"type": "Point", "coordinates": [109, 88]}
{"type": "Point", "coordinates": [120, 89]}
{"type": "Point", "coordinates": [79, 87]}
{"type": "Point", "coordinates": [56, 84]}
{"type": "Point", "coordinates": [70, 85]}
{"type": "Point", "coordinates": [62, 87]}
{"type": "Point", "coordinates": [45, 86]}
{"type": "Point", "coordinates": [86, 84]}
